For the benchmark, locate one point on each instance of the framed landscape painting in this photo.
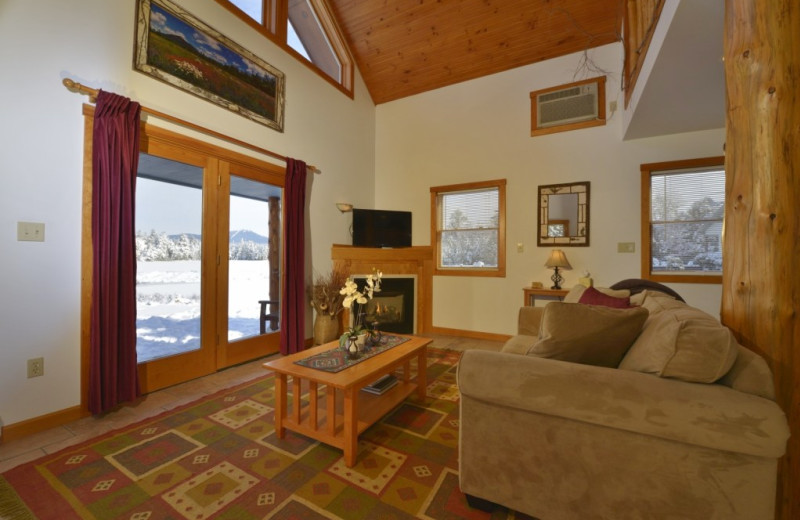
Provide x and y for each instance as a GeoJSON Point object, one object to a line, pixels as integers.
{"type": "Point", "coordinates": [177, 48]}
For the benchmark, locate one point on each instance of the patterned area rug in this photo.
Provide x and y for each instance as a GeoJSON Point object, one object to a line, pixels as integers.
{"type": "Point", "coordinates": [219, 458]}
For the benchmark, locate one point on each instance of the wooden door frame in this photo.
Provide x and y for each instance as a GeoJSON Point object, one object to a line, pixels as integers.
{"type": "Point", "coordinates": [272, 173]}
{"type": "Point", "coordinates": [245, 349]}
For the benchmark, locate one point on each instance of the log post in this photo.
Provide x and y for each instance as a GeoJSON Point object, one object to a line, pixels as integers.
{"type": "Point", "coordinates": [761, 251]}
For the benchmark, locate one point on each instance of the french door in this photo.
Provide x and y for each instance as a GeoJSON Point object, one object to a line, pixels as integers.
{"type": "Point", "coordinates": [208, 225]}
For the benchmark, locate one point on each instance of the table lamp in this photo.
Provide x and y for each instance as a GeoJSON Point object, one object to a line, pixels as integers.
{"type": "Point", "coordinates": [557, 260]}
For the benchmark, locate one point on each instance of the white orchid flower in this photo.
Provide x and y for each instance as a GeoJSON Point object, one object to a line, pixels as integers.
{"type": "Point", "coordinates": [353, 295]}
{"type": "Point", "coordinates": [349, 288]}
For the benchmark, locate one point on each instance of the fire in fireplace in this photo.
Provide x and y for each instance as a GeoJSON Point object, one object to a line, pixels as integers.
{"type": "Point", "coordinates": [393, 306]}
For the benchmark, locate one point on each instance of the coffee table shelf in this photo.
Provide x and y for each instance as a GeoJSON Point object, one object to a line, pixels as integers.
{"type": "Point", "coordinates": [371, 408]}
{"type": "Point", "coordinates": [354, 411]}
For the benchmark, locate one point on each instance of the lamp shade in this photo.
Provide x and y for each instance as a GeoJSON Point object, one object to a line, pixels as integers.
{"type": "Point", "coordinates": [558, 259]}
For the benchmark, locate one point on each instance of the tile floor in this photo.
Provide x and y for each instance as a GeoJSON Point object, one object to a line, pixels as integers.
{"type": "Point", "coordinates": [29, 448]}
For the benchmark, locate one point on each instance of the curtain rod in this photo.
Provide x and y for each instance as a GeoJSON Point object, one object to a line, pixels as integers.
{"type": "Point", "coordinates": [74, 86]}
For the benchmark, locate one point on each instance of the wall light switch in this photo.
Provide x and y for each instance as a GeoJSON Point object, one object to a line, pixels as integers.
{"type": "Point", "coordinates": [626, 247]}
{"type": "Point", "coordinates": [520, 247]}
{"type": "Point", "coordinates": [30, 231]}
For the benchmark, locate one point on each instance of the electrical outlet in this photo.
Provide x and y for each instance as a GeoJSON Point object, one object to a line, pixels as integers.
{"type": "Point", "coordinates": [35, 367]}
{"type": "Point", "coordinates": [626, 247]}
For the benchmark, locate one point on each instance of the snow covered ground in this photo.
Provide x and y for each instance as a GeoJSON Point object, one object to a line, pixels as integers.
{"type": "Point", "coordinates": [168, 304]}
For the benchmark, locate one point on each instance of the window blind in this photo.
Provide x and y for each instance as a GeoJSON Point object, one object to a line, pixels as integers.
{"type": "Point", "coordinates": [686, 214]}
{"type": "Point", "coordinates": [474, 209]}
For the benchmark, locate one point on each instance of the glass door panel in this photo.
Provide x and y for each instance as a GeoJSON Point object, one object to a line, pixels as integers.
{"type": "Point", "coordinates": [253, 259]}
{"type": "Point", "coordinates": [169, 218]}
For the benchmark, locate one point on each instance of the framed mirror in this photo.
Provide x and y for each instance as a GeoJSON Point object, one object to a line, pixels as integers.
{"type": "Point", "coordinates": [563, 216]}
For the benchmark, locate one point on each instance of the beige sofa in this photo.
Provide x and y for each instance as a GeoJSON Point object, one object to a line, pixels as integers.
{"type": "Point", "coordinates": [684, 427]}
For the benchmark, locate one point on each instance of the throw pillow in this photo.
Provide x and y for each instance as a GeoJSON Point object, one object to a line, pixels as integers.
{"type": "Point", "coordinates": [587, 334]}
{"type": "Point", "coordinates": [592, 296]}
{"type": "Point", "coordinates": [683, 343]}
{"type": "Point", "coordinates": [655, 302]}
{"type": "Point", "coordinates": [574, 294]}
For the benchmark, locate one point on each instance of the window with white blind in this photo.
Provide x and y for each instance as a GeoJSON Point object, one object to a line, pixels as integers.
{"type": "Point", "coordinates": [683, 204]}
{"type": "Point", "coordinates": [468, 226]}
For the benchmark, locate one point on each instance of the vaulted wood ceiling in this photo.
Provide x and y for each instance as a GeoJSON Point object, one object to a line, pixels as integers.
{"type": "Point", "coordinates": [405, 47]}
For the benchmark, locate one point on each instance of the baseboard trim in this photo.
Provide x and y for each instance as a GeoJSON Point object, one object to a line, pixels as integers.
{"type": "Point", "coordinates": [490, 336]}
{"type": "Point", "coordinates": [43, 422]}
{"type": "Point", "coordinates": [51, 420]}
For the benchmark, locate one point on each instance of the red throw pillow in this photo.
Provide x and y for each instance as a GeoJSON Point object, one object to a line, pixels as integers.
{"type": "Point", "coordinates": [592, 296]}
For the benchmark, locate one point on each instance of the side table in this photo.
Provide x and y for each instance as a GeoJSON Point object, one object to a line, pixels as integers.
{"type": "Point", "coordinates": [532, 293]}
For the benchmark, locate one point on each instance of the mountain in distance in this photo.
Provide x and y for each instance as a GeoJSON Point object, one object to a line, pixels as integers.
{"type": "Point", "coordinates": [245, 235]}
{"type": "Point", "coordinates": [235, 236]}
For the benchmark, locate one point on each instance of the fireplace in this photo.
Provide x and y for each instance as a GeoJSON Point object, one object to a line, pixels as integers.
{"type": "Point", "coordinates": [393, 306]}
{"type": "Point", "coordinates": [415, 262]}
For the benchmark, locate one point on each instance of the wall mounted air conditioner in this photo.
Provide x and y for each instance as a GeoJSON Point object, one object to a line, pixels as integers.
{"type": "Point", "coordinates": [567, 107]}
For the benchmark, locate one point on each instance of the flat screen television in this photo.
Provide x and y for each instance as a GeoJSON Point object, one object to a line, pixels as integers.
{"type": "Point", "coordinates": [381, 228]}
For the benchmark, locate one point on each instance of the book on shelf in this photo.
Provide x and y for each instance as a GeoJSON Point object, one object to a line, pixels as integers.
{"type": "Point", "coordinates": [381, 385]}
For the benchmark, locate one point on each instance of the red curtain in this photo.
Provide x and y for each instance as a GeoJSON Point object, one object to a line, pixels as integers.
{"type": "Point", "coordinates": [113, 375]}
{"type": "Point", "coordinates": [293, 318]}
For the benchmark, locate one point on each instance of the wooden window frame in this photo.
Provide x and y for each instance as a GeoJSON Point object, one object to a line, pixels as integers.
{"type": "Point", "coordinates": [647, 170]}
{"type": "Point", "coordinates": [500, 270]}
{"type": "Point", "coordinates": [275, 28]}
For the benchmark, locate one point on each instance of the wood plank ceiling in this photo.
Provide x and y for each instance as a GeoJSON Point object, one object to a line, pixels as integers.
{"type": "Point", "coordinates": [405, 47]}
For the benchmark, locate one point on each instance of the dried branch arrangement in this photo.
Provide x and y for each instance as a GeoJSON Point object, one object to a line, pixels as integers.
{"type": "Point", "coordinates": [324, 294]}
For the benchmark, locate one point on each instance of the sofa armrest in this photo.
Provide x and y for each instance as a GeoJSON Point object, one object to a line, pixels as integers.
{"type": "Point", "coordinates": [529, 320]}
{"type": "Point", "coordinates": [708, 415]}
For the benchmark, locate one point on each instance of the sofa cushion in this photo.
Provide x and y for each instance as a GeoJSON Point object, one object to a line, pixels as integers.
{"type": "Point", "coordinates": [638, 298]}
{"type": "Point", "coordinates": [574, 294]}
{"type": "Point", "coordinates": [529, 320]}
{"type": "Point", "coordinates": [681, 342]}
{"type": "Point", "coordinates": [750, 374]}
{"type": "Point", "coordinates": [519, 344]}
{"type": "Point", "coordinates": [655, 302]}
{"type": "Point", "coordinates": [588, 334]}
{"type": "Point", "coordinates": [592, 296]}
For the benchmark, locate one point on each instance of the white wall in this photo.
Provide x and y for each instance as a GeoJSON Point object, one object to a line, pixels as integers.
{"type": "Point", "coordinates": [473, 131]}
{"type": "Point", "coordinates": [480, 130]}
{"type": "Point", "coordinates": [41, 147]}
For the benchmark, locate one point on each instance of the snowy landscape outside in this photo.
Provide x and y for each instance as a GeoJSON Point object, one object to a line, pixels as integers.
{"type": "Point", "coordinates": [168, 300]}
{"type": "Point", "coordinates": [168, 262]}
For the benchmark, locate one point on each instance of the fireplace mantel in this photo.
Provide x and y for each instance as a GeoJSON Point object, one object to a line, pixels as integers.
{"type": "Point", "coordinates": [415, 260]}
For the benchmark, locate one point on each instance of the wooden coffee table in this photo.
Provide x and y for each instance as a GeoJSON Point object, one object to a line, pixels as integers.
{"type": "Point", "coordinates": [357, 410]}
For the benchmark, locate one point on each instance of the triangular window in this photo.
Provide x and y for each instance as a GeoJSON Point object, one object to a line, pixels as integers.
{"type": "Point", "coordinates": [307, 36]}
{"type": "Point", "coordinates": [307, 27]}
